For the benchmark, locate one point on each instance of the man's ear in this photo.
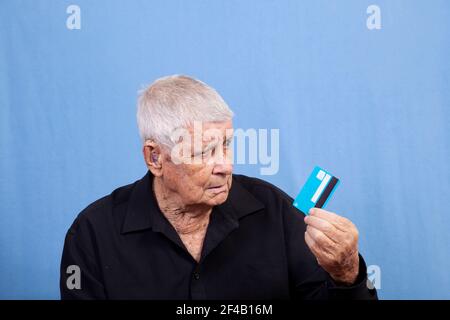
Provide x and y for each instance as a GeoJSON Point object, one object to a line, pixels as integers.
{"type": "Point", "coordinates": [153, 157]}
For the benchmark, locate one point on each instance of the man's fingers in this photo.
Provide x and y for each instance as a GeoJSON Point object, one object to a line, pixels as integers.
{"type": "Point", "coordinates": [311, 244]}
{"type": "Point", "coordinates": [325, 226]}
{"type": "Point", "coordinates": [322, 242]}
{"type": "Point", "coordinates": [316, 249]}
{"type": "Point", "coordinates": [334, 242]}
{"type": "Point", "coordinates": [339, 222]}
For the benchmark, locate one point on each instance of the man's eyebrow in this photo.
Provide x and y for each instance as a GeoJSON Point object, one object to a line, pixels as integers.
{"type": "Point", "coordinates": [214, 143]}
{"type": "Point", "coordinates": [205, 147]}
{"type": "Point", "coordinates": [210, 145]}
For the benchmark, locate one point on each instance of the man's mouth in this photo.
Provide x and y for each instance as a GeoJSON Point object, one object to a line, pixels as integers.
{"type": "Point", "coordinates": [218, 188]}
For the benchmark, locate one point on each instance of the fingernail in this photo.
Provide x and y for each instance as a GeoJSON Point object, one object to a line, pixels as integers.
{"type": "Point", "coordinates": [311, 211]}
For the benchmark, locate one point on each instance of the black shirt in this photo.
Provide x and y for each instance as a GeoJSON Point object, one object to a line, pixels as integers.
{"type": "Point", "coordinates": [254, 248]}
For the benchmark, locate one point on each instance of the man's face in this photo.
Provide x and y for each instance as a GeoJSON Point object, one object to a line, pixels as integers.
{"type": "Point", "coordinates": [203, 174]}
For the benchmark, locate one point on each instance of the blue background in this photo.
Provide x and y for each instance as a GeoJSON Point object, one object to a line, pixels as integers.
{"type": "Point", "coordinates": [370, 106]}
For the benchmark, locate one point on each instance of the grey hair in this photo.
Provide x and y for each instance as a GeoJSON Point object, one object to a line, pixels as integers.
{"type": "Point", "coordinates": [174, 102]}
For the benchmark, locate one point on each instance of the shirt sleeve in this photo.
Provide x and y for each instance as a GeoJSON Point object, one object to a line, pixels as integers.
{"type": "Point", "coordinates": [358, 291]}
{"type": "Point", "coordinates": [308, 279]}
{"type": "Point", "coordinates": [80, 275]}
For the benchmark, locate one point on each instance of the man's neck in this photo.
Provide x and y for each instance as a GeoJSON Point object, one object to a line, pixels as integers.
{"type": "Point", "coordinates": [186, 219]}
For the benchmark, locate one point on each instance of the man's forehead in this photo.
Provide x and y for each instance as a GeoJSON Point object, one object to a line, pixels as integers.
{"type": "Point", "coordinates": [209, 130]}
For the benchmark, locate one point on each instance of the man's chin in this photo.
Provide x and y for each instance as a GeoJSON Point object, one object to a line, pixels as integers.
{"type": "Point", "coordinates": [218, 199]}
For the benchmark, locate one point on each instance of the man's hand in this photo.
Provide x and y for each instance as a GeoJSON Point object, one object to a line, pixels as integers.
{"type": "Point", "coordinates": [334, 241]}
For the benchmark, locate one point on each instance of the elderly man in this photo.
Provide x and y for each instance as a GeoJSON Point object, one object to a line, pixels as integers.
{"type": "Point", "coordinates": [190, 229]}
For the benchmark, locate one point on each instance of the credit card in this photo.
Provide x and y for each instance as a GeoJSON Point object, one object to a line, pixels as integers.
{"type": "Point", "coordinates": [317, 190]}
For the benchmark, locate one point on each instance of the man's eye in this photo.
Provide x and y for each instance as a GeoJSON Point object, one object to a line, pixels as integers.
{"type": "Point", "coordinates": [206, 153]}
{"type": "Point", "coordinates": [197, 155]}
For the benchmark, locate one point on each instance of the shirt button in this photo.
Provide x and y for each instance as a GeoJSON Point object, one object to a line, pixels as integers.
{"type": "Point", "coordinates": [196, 275]}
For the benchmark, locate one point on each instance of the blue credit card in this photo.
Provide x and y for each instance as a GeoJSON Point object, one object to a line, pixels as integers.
{"type": "Point", "coordinates": [317, 190]}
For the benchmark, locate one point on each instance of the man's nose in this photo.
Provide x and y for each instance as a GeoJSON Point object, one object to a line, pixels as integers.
{"type": "Point", "coordinates": [224, 168]}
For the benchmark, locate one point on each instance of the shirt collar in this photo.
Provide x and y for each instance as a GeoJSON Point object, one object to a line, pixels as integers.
{"type": "Point", "coordinates": [143, 211]}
